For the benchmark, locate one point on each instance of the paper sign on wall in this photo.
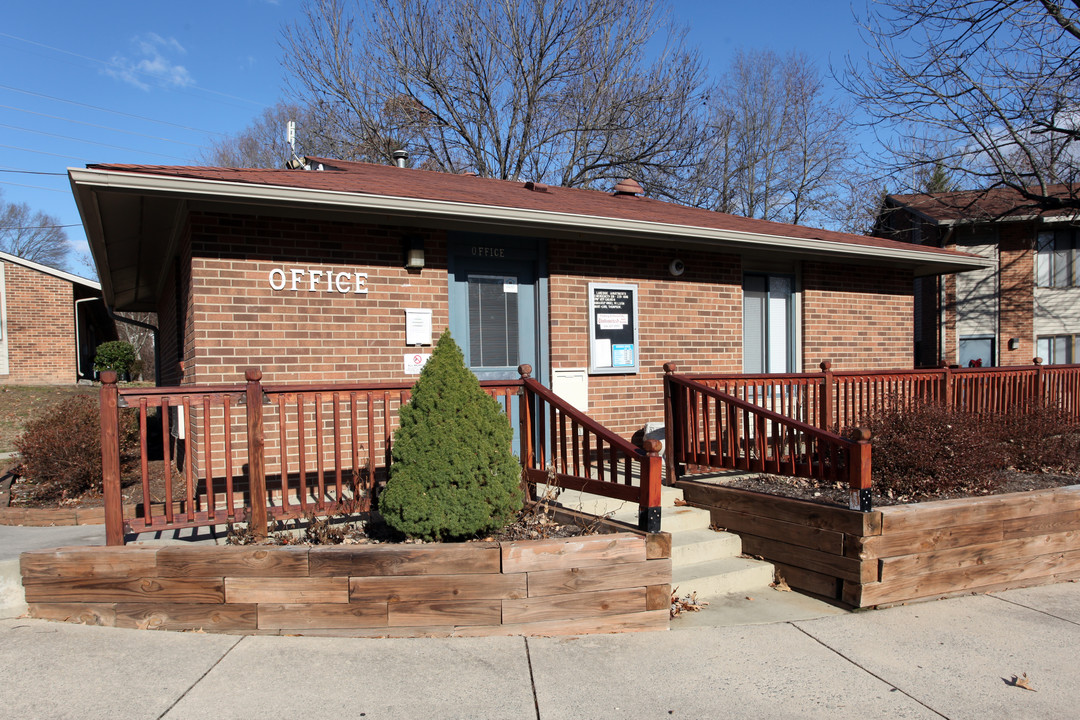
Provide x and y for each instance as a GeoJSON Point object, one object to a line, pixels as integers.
{"type": "Point", "coordinates": [417, 326]}
{"type": "Point", "coordinates": [613, 332]}
{"type": "Point", "coordinates": [414, 362]}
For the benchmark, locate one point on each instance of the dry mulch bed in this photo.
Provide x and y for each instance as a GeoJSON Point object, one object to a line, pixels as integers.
{"type": "Point", "coordinates": [837, 494]}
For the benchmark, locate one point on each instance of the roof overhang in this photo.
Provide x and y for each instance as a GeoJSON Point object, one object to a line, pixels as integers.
{"type": "Point", "coordinates": [133, 222]}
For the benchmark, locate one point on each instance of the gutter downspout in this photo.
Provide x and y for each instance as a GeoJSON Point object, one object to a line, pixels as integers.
{"type": "Point", "coordinates": [942, 318]}
{"type": "Point", "coordinates": [147, 326]}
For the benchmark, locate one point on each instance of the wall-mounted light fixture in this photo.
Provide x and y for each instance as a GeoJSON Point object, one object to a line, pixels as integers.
{"type": "Point", "coordinates": [1014, 343]}
{"type": "Point", "coordinates": [414, 252]}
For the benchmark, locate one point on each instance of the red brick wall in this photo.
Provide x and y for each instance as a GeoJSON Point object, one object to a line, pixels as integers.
{"type": "Point", "coordinates": [1017, 301]}
{"type": "Point", "coordinates": [857, 316]}
{"type": "Point", "coordinates": [40, 328]}
{"type": "Point", "coordinates": [694, 321]}
{"type": "Point", "coordinates": [301, 336]}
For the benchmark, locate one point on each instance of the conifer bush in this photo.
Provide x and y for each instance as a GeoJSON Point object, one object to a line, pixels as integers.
{"type": "Point", "coordinates": [453, 474]}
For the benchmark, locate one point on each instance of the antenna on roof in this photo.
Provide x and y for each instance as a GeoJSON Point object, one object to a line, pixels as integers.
{"type": "Point", "coordinates": [290, 137]}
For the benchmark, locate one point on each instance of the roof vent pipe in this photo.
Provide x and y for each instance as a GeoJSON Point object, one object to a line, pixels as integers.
{"type": "Point", "coordinates": [400, 157]}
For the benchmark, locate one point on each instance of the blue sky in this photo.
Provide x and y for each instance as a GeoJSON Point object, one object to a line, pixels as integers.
{"type": "Point", "coordinates": [153, 83]}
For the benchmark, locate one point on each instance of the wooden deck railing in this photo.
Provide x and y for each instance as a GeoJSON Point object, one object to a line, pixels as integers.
{"type": "Point", "coordinates": [254, 452]}
{"type": "Point", "coordinates": [710, 429]}
{"type": "Point", "coordinates": [565, 447]}
{"type": "Point", "coordinates": [835, 400]}
{"type": "Point", "coordinates": [249, 453]}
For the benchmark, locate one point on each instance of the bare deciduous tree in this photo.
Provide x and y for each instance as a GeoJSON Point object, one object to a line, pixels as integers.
{"type": "Point", "coordinates": [989, 91]}
{"type": "Point", "coordinates": [140, 338]}
{"type": "Point", "coordinates": [562, 91]}
{"type": "Point", "coordinates": [778, 148]}
{"type": "Point", "coordinates": [262, 144]}
{"type": "Point", "coordinates": [32, 235]}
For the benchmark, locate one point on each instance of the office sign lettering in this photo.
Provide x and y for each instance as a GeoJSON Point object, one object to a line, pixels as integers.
{"type": "Point", "coordinates": [326, 281]}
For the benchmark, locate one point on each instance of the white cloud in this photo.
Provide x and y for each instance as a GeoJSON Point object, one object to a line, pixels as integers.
{"type": "Point", "coordinates": [152, 63]}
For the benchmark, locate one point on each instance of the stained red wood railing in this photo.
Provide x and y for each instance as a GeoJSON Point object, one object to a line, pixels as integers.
{"type": "Point", "coordinates": [709, 429]}
{"type": "Point", "coordinates": [316, 448]}
{"type": "Point", "coordinates": [563, 446]}
{"type": "Point", "coordinates": [833, 400]}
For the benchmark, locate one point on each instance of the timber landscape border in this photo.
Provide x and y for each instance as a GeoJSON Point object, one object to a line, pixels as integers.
{"type": "Point", "coordinates": [908, 552]}
{"type": "Point", "coordinates": [616, 582]}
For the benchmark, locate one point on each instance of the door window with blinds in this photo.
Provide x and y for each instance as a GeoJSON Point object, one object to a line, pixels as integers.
{"type": "Point", "coordinates": [768, 323]}
{"type": "Point", "coordinates": [493, 321]}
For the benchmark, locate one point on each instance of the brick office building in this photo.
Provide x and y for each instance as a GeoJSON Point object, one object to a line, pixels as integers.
{"type": "Point", "coordinates": [51, 323]}
{"type": "Point", "coordinates": [1025, 304]}
{"type": "Point", "coordinates": [338, 272]}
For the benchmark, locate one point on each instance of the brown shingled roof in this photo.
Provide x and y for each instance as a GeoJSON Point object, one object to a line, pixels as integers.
{"type": "Point", "coordinates": [983, 205]}
{"type": "Point", "coordinates": [387, 180]}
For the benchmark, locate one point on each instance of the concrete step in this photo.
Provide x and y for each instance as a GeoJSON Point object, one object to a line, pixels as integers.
{"type": "Point", "coordinates": [722, 577]}
{"type": "Point", "coordinates": [597, 505]}
{"type": "Point", "coordinates": [674, 519]}
{"type": "Point", "coordinates": [696, 546]}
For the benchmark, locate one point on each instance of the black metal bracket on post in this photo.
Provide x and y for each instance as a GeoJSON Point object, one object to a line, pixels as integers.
{"type": "Point", "coordinates": [649, 519]}
{"type": "Point", "coordinates": [861, 501]}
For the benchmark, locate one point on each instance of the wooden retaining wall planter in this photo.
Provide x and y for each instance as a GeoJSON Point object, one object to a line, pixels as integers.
{"type": "Point", "coordinates": [593, 584]}
{"type": "Point", "coordinates": [905, 552]}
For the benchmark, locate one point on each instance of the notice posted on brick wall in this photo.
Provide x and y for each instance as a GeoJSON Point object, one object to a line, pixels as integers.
{"type": "Point", "coordinates": [613, 328]}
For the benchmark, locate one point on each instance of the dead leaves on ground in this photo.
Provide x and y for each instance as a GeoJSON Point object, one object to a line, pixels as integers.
{"type": "Point", "coordinates": [780, 584]}
{"type": "Point", "coordinates": [687, 603]}
{"type": "Point", "coordinates": [1020, 681]}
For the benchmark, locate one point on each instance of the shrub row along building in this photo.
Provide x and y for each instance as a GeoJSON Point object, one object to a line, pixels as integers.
{"type": "Point", "coordinates": [349, 271]}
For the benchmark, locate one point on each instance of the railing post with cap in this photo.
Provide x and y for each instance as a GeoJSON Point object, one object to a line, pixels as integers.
{"type": "Point", "coordinates": [649, 501]}
{"type": "Point", "coordinates": [256, 452]}
{"type": "Point", "coordinates": [859, 481]}
{"type": "Point", "coordinates": [826, 417]}
{"type": "Point", "coordinates": [525, 425]}
{"type": "Point", "coordinates": [110, 459]}
{"type": "Point", "coordinates": [672, 415]}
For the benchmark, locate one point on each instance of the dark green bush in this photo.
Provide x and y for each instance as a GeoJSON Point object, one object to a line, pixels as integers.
{"type": "Point", "coordinates": [61, 449]}
{"type": "Point", "coordinates": [453, 474]}
{"type": "Point", "coordinates": [925, 449]}
{"type": "Point", "coordinates": [115, 355]}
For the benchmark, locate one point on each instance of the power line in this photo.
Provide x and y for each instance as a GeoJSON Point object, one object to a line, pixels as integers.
{"type": "Point", "coordinates": [112, 65]}
{"type": "Point", "coordinates": [35, 187]}
{"type": "Point", "coordinates": [91, 142]}
{"type": "Point", "coordinates": [40, 227]}
{"type": "Point", "coordinates": [30, 172]}
{"type": "Point", "coordinates": [44, 152]}
{"type": "Point", "coordinates": [107, 110]}
{"type": "Point", "coordinates": [100, 127]}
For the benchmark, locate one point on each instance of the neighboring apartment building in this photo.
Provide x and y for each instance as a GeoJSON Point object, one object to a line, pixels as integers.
{"type": "Point", "coordinates": [1027, 305]}
{"type": "Point", "coordinates": [51, 323]}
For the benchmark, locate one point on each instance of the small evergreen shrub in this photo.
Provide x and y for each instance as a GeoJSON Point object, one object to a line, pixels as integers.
{"type": "Point", "coordinates": [924, 449]}
{"type": "Point", "coordinates": [115, 355]}
{"type": "Point", "coordinates": [61, 449]}
{"type": "Point", "coordinates": [453, 474]}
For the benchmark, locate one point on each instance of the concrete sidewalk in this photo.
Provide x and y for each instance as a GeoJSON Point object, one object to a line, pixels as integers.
{"type": "Point", "coordinates": [775, 655]}
{"type": "Point", "coordinates": [950, 658]}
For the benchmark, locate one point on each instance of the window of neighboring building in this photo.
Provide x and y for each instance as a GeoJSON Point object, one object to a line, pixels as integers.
{"type": "Point", "coordinates": [1056, 264]}
{"type": "Point", "coordinates": [768, 323]}
{"type": "Point", "coordinates": [976, 351]}
{"type": "Point", "coordinates": [1058, 349]}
